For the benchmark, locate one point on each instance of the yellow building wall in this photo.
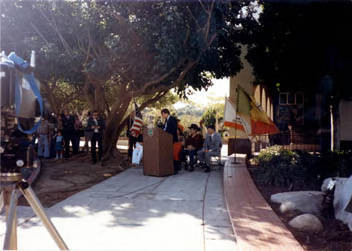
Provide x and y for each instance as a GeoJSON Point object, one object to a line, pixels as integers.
{"type": "Point", "coordinates": [245, 79]}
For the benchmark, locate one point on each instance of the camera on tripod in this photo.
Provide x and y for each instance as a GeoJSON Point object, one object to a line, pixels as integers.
{"type": "Point", "coordinates": [20, 97]}
{"type": "Point", "coordinates": [21, 109]}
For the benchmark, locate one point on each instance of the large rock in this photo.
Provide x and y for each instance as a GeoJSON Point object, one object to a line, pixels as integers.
{"type": "Point", "coordinates": [303, 201]}
{"type": "Point", "coordinates": [306, 223]}
{"type": "Point", "coordinates": [326, 182]}
{"type": "Point", "coordinates": [343, 194]}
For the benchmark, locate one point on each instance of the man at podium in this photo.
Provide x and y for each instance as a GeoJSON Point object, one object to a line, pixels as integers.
{"type": "Point", "coordinates": [170, 126]}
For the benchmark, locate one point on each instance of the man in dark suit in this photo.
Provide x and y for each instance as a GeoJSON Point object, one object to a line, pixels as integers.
{"type": "Point", "coordinates": [97, 126]}
{"type": "Point", "coordinates": [68, 130]}
{"type": "Point", "coordinates": [211, 147]}
{"type": "Point", "coordinates": [170, 126]}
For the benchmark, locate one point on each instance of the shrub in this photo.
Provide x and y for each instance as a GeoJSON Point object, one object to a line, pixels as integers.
{"type": "Point", "coordinates": [280, 167]}
{"type": "Point", "coordinates": [334, 164]}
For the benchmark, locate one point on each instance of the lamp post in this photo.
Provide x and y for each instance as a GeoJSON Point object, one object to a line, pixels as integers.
{"type": "Point", "coordinates": [331, 125]}
{"type": "Point", "coordinates": [291, 136]}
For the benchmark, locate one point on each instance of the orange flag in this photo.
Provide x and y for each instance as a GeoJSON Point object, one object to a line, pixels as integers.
{"type": "Point", "coordinates": [253, 115]}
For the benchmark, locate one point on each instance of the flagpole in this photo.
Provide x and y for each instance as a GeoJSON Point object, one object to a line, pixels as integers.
{"type": "Point", "coordinates": [237, 102]}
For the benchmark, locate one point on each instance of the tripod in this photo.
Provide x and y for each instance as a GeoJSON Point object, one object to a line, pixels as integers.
{"type": "Point", "coordinates": [11, 185]}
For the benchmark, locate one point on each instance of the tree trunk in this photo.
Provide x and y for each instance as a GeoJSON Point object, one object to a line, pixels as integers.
{"type": "Point", "coordinates": [117, 121]}
{"type": "Point", "coordinates": [113, 126]}
{"type": "Point", "coordinates": [99, 96]}
{"type": "Point", "coordinates": [50, 98]}
{"type": "Point", "coordinates": [95, 95]}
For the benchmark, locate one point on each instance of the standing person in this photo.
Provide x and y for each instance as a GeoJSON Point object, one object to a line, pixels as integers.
{"type": "Point", "coordinates": [76, 134]}
{"type": "Point", "coordinates": [211, 147]}
{"type": "Point", "coordinates": [193, 144]}
{"type": "Point", "coordinates": [170, 126]}
{"type": "Point", "coordinates": [88, 132]}
{"type": "Point", "coordinates": [43, 141]}
{"type": "Point", "coordinates": [52, 132]}
{"type": "Point", "coordinates": [135, 133]}
{"type": "Point", "coordinates": [131, 139]}
{"type": "Point", "coordinates": [58, 145]}
{"type": "Point", "coordinates": [97, 125]}
{"type": "Point", "coordinates": [68, 129]}
{"type": "Point", "coordinates": [59, 122]}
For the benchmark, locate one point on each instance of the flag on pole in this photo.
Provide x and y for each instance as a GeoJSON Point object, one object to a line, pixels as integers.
{"type": "Point", "coordinates": [230, 117]}
{"type": "Point", "coordinates": [137, 125]}
{"type": "Point", "coordinates": [253, 115]}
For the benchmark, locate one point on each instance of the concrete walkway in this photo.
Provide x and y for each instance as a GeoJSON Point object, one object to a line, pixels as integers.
{"type": "Point", "coordinates": [134, 212]}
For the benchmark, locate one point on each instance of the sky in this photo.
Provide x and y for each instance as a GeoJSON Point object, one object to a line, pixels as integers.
{"type": "Point", "coordinates": [214, 94]}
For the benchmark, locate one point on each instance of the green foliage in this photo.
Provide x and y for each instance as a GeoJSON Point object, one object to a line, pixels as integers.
{"type": "Point", "coordinates": [282, 167]}
{"type": "Point", "coordinates": [129, 42]}
{"type": "Point", "coordinates": [67, 96]}
{"type": "Point", "coordinates": [169, 99]}
{"type": "Point", "coordinates": [213, 113]}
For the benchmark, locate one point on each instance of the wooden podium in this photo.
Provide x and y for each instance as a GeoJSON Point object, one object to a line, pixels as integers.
{"type": "Point", "coordinates": [157, 153]}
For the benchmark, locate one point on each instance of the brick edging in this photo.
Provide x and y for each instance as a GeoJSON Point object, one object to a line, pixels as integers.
{"type": "Point", "coordinates": [255, 225]}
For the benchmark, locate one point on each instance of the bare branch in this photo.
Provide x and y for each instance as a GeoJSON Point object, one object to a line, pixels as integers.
{"type": "Point", "coordinates": [211, 41]}
{"type": "Point", "coordinates": [54, 26]}
{"type": "Point", "coordinates": [194, 18]}
{"type": "Point", "coordinates": [187, 36]}
{"type": "Point", "coordinates": [201, 4]}
{"type": "Point", "coordinates": [39, 33]}
{"type": "Point", "coordinates": [159, 79]}
{"type": "Point", "coordinates": [209, 12]}
{"type": "Point", "coordinates": [89, 46]}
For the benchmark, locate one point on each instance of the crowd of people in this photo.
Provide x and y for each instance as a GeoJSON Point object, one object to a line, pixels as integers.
{"type": "Point", "coordinates": [57, 134]}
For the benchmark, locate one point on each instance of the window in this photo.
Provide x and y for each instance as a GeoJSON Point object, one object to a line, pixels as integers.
{"type": "Point", "coordinates": [287, 98]}
{"type": "Point", "coordinates": [299, 98]}
{"type": "Point", "coordinates": [283, 98]}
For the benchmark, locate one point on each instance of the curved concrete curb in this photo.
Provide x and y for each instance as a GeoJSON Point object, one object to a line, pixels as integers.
{"type": "Point", "coordinates": [254, 223]}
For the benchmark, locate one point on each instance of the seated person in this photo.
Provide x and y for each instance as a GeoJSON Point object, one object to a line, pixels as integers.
{"type": "Point", "coordinates": [194, 143]}
{"type": "Point", "coordinates": [179, 125]}
{"type": "Point", "coordinates": [211, 147]}
{"type": "Point", "coordinates": [177, 148]}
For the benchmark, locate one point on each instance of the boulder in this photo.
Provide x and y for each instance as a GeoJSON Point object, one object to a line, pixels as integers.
{"type": "Point", "coordinates": [326, 182]}
{"type": "Point", "coordinates": [342, 196]}
{"type": "Point", "coordinates": [303, 201]}
{"type": "Point", "coordinates": [306, 223]}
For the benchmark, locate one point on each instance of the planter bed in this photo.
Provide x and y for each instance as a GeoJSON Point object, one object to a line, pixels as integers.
{"type": "Point", "coordinates": [335, 236]}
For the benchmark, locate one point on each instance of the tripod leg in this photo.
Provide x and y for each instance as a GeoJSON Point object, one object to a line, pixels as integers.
{"type": "Point", "coordinates": [38, 209]}
{"type": "Point", "coordinates": [10, 241]}
{"type": "Point", "coordinates": [2, 204]}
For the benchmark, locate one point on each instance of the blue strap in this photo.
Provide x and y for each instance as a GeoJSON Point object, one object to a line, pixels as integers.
{"type": "Point", "coordinates": [18, 99]}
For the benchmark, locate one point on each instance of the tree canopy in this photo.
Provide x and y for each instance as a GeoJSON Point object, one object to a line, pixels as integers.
{"type": "Point", "coordinates": [115, 51]}
{"type": "Point", "coordinates": [296, 45]}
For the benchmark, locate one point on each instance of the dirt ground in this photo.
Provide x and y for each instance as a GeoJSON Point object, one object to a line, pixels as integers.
{"type": "Point", "coordinates": [335, 237]}
{"type": "Point", "coordinates": [60, 179]}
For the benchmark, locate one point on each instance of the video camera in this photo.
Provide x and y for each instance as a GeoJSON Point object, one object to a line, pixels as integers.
{"type": "Point", "coordinates": [20, 118]}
